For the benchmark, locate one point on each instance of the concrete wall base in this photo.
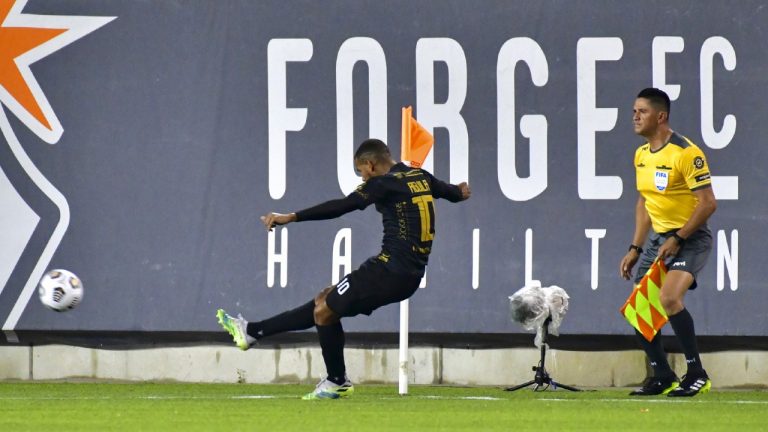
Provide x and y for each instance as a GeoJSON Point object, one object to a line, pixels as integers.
{"type": "Point", "coordinates": [428, 365]}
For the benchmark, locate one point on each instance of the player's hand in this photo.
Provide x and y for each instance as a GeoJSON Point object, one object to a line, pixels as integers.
{"type": "Point", "coordinates": [627, 263]}
{"type": "Point", "coordinates": [272, 219]}
{"type": "Point", "coordinates": [669, 249]}
{"type": "Point", "coordinates": [466, 192]}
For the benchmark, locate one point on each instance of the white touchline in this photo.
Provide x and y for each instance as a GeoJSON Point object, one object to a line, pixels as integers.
{"type": "Point", "coordinates": [150, 397]}
{"type": "Point", "coordinates": [668, 400]}
{"type": "Point", "coordinates": [481, 398]}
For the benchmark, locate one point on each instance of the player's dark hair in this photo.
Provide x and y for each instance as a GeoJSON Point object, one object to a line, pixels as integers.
{"type": "Point", "coordinates": [657, 97]}
{"type": "Point", "coordinates": [373, 150]}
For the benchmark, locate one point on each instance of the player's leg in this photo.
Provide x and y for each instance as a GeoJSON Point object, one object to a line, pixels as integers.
{"type": "Point", "coordinates": [331, 336]}
{"type": "Point", "coordinates": [299, 318]}
{"type": "Point", "coordinates": [245, 333]}
{"type": "Point", "coordinates": [361, 292]}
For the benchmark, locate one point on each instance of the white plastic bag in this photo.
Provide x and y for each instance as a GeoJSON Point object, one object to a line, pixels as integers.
{"type": "Point", "coordinates": [530, 306]}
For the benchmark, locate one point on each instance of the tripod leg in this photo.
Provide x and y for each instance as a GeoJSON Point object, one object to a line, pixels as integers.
{"type": "Point", "coordinates": [567, 387]}
{"type": "Point", "coordinates": [518, 387]}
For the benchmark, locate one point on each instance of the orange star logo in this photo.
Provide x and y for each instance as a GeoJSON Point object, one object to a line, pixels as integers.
{"type": "Point", "coordinates": [24, 39]}
{"type": "Point", "coordinates": [14, 42]}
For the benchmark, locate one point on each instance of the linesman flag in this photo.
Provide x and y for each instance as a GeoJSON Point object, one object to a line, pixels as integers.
{"type": "Point", "coordinates": [416, 142]}
{"type": "Point", "coordinates": [643, 308]}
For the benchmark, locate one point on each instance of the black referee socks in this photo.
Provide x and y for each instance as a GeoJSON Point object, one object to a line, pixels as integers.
{"type": "Point", "coordinates": [656, 355]}
{"type": "Point", "coordinates": [682, 324]}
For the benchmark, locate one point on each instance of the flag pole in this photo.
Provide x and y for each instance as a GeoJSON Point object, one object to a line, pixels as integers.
{"type": "Point", "coordinates": [416, 142]}
{"type": "Point", "coordinates": [405, 142]}
{"type": "Point", "coordinates": [403, 369]}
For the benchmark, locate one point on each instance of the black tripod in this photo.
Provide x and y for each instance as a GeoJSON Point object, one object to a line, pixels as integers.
{"type": "Point", "coordinates": [542, 378]}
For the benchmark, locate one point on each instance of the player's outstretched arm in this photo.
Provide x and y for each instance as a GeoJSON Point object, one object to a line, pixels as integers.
{"type": "Point", "coordinates": [272, 219]}
{"type": "Point", "coordinates": [466, 191]}
{"type": "Point", "coordinates": [327, 210]}
{"type": "Point", "coordinates": [451, 192]}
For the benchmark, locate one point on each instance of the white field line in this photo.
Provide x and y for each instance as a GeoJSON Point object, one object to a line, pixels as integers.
{"type": "Point", "coordinates": [452, 397]}
{"type": "Point", "coordinates": [663, 401]}
{"type": "Point", "coordinates": [158, 397]}
{"type": "Point", "coordinates": [150, 397]}
{"type": "Point", "coordinates": [432, 397]}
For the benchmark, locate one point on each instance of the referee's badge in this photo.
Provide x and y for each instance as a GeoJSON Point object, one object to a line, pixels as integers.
{"type": "Point", "coordinates": [698, 162]}
{"type": "Point", "coordinates": [661, 180]}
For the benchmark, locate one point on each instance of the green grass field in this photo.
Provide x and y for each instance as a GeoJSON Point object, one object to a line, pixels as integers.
{"type": "Point", "coordinates": [245, 407]}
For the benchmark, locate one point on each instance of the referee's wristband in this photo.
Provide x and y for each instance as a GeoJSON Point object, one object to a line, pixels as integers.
{"type": "Point", "coordinates": [636, 248]}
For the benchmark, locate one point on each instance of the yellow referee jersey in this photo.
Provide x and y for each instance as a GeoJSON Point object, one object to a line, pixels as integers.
{"type": "Point", "coordinates": [667, 177]}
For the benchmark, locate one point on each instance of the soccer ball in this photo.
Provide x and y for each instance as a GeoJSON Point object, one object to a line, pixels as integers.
{"type": "Point", "coordinates": [60, 290]}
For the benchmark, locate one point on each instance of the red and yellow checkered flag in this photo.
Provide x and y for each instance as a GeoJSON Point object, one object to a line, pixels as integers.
{"type": "Point", "coordinates": [643, 308]}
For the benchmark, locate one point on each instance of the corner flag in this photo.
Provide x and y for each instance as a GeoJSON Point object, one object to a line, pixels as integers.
{"type": "Point", "coordinates": [643, 308]}
{"type": "Point", "coordinates": [416, 142]}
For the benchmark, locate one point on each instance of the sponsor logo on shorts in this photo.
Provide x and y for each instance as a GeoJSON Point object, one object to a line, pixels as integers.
{"type": "Point", "coordinates": [679, 264]}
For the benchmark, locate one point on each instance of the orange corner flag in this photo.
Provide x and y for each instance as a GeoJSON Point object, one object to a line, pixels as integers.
{"type": "Point", "coordinates": [416, 142]}
{"type": "Point", "coordinates": [643, 308]}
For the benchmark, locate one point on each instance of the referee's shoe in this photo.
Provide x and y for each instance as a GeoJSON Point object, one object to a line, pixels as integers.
{"type": "Point", "coordinates": [654, 386]}
{"type": "Point", "coordinates": [692, 385]}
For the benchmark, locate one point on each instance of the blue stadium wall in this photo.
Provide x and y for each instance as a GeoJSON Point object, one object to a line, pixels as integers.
{"type": "Point", "coordinates": [181, 122]}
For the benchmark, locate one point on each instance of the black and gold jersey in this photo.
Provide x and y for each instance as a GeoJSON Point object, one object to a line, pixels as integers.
{"type": "Point", "coordinates": [667, 177]}
{"type": "Point", "coordinates": [405, 198]}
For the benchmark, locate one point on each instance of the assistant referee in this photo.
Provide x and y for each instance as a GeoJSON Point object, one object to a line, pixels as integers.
{"type": "Point", "coordinates": [674, 203]}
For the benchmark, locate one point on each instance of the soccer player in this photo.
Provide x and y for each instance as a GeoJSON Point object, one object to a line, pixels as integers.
{"type": "Point", "coordinates": [405, 198]}
{"type": "Point", "coordinates": [675, 200]}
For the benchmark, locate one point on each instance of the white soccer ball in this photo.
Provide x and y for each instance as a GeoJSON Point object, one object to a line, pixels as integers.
{"type": "Point", "coordinates": [60, 290]}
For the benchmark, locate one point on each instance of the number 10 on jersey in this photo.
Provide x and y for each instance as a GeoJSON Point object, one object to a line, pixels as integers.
{"type": "Point", "coordinates": [427, 210]}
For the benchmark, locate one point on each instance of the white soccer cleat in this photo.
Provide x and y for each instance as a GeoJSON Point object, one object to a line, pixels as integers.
{"type": "Point", "coordinates": [237, 328]}
{"type": "Point", "coordinates": [327, 389]}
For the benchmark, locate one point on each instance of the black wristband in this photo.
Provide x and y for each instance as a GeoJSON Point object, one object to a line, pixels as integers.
{"type": "Point", "coordinates": [636, 248]}
{"type": "Point", "coordinates": [679, 239]}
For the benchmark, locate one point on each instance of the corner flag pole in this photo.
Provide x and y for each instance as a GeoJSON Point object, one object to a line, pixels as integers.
{"type": "Point", "coordinates": [403, 369]}
{"type": "Point", "coordinates": [415, 144]}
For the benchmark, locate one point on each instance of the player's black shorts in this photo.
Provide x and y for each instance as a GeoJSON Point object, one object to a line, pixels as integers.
{"type": "Point", "coordinates": [370, 287]}
{"type": "Point", "coordinates": [690, 258]}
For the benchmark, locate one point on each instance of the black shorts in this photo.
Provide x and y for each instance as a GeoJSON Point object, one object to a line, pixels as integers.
{"type": "Point", "coordinates": [690, 258]}
{"type": "Point", "coordinates": [370, 287]}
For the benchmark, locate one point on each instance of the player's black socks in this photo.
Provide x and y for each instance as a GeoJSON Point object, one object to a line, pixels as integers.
{"type": "Point", "coordinates": [332, 344]}
{"type": "Point", "coordinates": [682, 324]}
{"type": "Point", "coordinates": [300, 318]}
{"type": "Point", "coordinates": [656, 355]}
